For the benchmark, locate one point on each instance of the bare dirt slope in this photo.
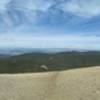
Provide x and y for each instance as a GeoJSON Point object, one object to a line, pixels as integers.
{"type": "Point", "coordinates": [78, 84]}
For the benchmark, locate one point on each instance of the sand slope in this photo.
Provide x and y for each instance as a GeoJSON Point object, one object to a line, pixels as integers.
{"type": "Point", "coordinates": [78, 84]}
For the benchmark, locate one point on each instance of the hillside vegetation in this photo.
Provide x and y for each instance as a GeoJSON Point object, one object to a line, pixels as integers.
{"type": "Point", "coordinates": [40, 62]}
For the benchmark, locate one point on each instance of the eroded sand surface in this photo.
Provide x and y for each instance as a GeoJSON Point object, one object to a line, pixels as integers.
{"type": "Point", "coordinates": [78, 84]}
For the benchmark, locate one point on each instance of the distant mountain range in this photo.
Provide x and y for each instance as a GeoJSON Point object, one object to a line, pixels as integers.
{"type": "Point", "coordinates": [18, 51]}
{"type": "Point", "coordinates": [4, 55]}
{"type": "Point", "coordinates": [38, 62]}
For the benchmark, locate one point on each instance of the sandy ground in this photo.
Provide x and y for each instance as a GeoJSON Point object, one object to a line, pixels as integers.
{"type": "Point", "coordinates": [77, 84]}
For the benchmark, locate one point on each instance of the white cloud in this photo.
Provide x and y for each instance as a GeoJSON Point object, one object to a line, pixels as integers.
{"type": "Point", "coordinates": [41, 5]}
{"type": "Point", "coordinates": [84, 8]}
{"type": "Point", "coordinates": [32, 12]}
{"type": "Point", "coordinates": [3, 4]}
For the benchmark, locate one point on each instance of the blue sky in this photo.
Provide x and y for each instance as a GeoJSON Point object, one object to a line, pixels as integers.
{"type": "Point", "coordinates": [50, 23]}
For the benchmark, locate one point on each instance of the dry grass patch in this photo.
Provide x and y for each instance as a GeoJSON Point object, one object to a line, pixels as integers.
{"type": "Point", "coordinates": [78, 84]}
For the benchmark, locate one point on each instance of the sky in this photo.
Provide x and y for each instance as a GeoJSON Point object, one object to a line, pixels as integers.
{"type": "Point", "coordinates": [71, 24]}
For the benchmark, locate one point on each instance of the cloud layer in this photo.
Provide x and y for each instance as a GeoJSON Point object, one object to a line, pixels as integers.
{"type": "Point", "coordinates": [83, 8]}
{"type": "Point", "coordinates": [67, 13]}
{"type": "Point", "coordinates": [50, 18]}
{"type": "Point", "coordinates": [77, 7]}
{"type": "Point", "coordinates": [77, 42]}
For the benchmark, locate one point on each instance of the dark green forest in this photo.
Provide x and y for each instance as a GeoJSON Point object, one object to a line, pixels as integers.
{"type": "Point", "coordinates": [36, 62]}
